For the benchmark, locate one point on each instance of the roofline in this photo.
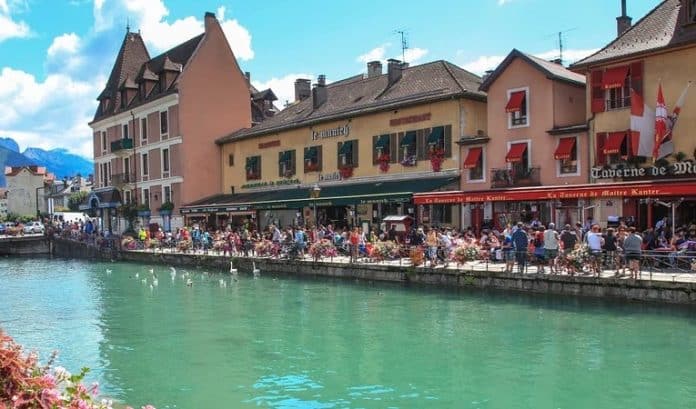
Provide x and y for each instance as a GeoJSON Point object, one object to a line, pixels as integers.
{"type": "Point", "coordinates": [579, 66]}
{"type": "Point", "coordinates": [515, 53]}
{"type": "Point", "coordinates": [344, 115]}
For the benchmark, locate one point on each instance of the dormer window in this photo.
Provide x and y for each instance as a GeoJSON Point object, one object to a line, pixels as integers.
{"type": "Point", "coordinates": [517, 107]}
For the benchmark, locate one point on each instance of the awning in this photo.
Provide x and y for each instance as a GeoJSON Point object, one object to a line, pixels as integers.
{"type": "Point", "coordinates": [346, 148]}
{"type": "Point", "coordinates": [251, 161]}
{"type": "Point", "coordinates": [332, 195]}
{"type": "Point", "coordinates": [613, 143]}
{"type": "Point", "coordinates": [564, 148]}
{"type": "Point", "coordinates": [408, 139]}
{"type": "Point", "coordinates": [515, 102]}
{"type": "Point", "coordinates": [515, 153]}
{"type": "Point", "coordinates": [382, 142]}
{"type": "Point", "coordinates": [102, 198]}
{"type": "Point", "coordinates": [285, 156]}
{"type": "Point", "coordinates": [437, 135]}
{"type": "Point", "coordinates": [615, 77]}
{"type": "Point", "coordinates": [311, 153]}
{"type": "Point", "coordinates": [473, 157]}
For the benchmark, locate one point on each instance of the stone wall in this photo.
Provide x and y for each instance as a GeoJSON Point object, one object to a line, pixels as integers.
{"type": "Point", "coordinates": [24, 246]}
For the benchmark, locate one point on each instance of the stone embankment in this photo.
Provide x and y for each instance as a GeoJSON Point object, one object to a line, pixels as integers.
{"type": "Point", "coordinates": [25, 245]}
{"type": "Point", "coordinates": [664, 291]}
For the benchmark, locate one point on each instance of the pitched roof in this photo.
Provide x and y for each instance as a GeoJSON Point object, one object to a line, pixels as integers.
{"type": "Point", "coordinates": [550, 69]}
{"type": "Point", "coordinates": [358, 95]}
{"type": "Point", "coordinates": [657, 30]}
{"type": "Point", "coordinates": [133, 64]}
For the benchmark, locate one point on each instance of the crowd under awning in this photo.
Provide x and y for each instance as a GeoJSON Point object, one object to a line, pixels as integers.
{"type": "Point", "coordinates": [333, 195]}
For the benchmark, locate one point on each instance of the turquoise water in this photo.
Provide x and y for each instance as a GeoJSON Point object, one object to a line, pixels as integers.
{"type": "Point", "coordinates": [290, 343]}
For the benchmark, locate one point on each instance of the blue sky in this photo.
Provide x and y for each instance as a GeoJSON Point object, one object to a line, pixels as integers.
{"type": "Point", "coordinates": [55, 55]}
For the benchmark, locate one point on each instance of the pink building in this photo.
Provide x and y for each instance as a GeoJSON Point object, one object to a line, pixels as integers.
{"type": "Point", "coordinates": [537, 137]}
{"type": "Point", "coordinates": [158, 117]}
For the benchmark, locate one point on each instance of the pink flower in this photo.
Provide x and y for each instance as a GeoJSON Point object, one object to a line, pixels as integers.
{"type": "Point", "coordinates": [94, 389]}
{"type": "Point", "coordinates": [50, 397]}
{"type": "Point", "coordinates": [49, 380]}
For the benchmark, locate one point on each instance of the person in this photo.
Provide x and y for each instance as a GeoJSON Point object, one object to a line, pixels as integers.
{"type": "Point", "coordinates": [392, 236]}
{"type": "Point", "coordinates": [609, 248]}
{"type": "Point", "coordinates": [508, 253]}
{"type": "Point", "coordinates": [632, 246]}
{"type": "Point", "coordinates": [275, 234]}
{"type": "Point", "coordinates": [354, 240]}
{"type": "Point", "coordinates": [446, 243]}
{"type": "Point", "coordinates": [595, 241]}
{"type": "Point", "coordinates": [661, 224]}
{"type": "Point", "coordinates": [520, 241]}
{"type": "Point", "coordinates": [551, 246]}
{"type": "Point", "coordinates": [431, 242]}
{"type": "Point", "coordinates": [569, 239]}
{"type": "Point", "coordinates": [300, 241]}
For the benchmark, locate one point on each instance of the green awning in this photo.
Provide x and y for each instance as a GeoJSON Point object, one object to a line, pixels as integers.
{"type": "Point", "coordinates": [251, 161]}
{"type": "Point", "coordinates": [285, 156]}
{"type": "Point", "coordinates": [346, 148]}
{"type": "Point", "coordinates": [333, 195]}
{"type": "Point", "coordinates": [408, 139]}
{"type": "Point", "coordinates": [437, 135]}
{"type": "Point", "coordinates": [382, 142]}
{"type": "Point", "coordinates": [311, 153]}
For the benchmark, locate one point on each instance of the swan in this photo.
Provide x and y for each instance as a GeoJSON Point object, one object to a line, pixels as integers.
{"type": "Point", "coordinates": [256, 272]}
{"type": "Point", "coordinates": [223, 283]}
{"type": "Point", "coordinates": [151, 271]}
{"type": "Point", "coordinates": [151, 287]}
{"type": "Point", "coordinates": [155, 282]}
{"type": "Point", "coordinates": [189, 283]}
{"type": "Point", "coordinates": [173, 270]}
{"type": "Point", "coordinates": [108, 271]}
{"type": "Point", "coordinates": [232, 269]}
{"type": "Point", "coordinates": [137, 275]}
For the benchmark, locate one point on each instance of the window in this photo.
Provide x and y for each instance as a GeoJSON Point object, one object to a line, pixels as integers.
{"type": "Point", "coordinates": [143, 129]}
{"type": "Point", "coordinates": [286, 164]}
{"type": "Point", "coordinates": [612, 147]}
{"type": "Point", "coordinates": [109, 173]}
{"type": "Point", "coordinates": [313, 159]}
{"type": "Point", "coordinates": [167, 195]}
{"type": "Point", "coordinates": [518, 158]}
{"type": "Point", "coordinates": [126, 171]}
{"type": "Point", "coordinates": [165, 162]}
{"type": "Point", "coordinates": [382, 149]}
{"type": "Point", "coordinates": [146, 197]}
{"type": "Point", "coordinates": [620, 97]}
{"type": "Point", "coordinates": [566, 156]}
{"type": "Point", "coordinates": [127, 196]}
{"type": "Point", "coordinates": [164, 125]}
{"type": "Point", "coordinates": [253, 168]}
{"type": "Point", "coordinates": [125, 131]}
{"type": "Point", "coordinates": [517, 107]}
{"type": "Point", "coordinates": [103, 142]}
{"type": "Point", "coordinates": [145, 166]}
{"type": "Point", "coordinates": [407, 148]}
{"type": "Point", "coordinates": [230, 159]}
{"type": "Point", "coordinates": [474, 163]}
{"type": "Point", "coordinates": [348, 154]}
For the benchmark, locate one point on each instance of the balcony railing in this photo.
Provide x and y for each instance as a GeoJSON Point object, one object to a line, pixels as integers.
{"type": "Point", "coordinates": [122, 144]}
{"type": "Point", "coordinates": [515, 177]}
{"type": "Point", "coordinates": [121, 179]}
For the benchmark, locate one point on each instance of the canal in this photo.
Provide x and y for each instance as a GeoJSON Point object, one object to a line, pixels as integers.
{"type": "Point", "coordinates": [291, 343]}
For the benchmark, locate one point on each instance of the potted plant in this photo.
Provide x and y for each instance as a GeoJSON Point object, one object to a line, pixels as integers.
{"type": "Point", "coordinates": [437, 156]}
{"type": "Point", "coordinates": [143, 210]}
{"type": "Point", "coordinates": [166, 208]}
{"type": "Point", "coordinates": [680, 156]}
{"type": "Point", "coordinates": [383, 160]}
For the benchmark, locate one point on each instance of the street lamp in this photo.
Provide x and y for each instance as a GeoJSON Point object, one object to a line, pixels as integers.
{"type": "Point", "coordinates": [314, 193]}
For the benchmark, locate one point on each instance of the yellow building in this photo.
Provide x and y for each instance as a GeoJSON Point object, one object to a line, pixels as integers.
{"type": "Point", "coordinates": [623, 83]}
{"type": "Point", "coordinates": [362, 145]}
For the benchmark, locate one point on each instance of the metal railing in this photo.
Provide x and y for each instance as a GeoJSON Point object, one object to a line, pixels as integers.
{"type": "Point", "coordinates": [515, 177]}
{"type": "Point", "coordinates": [122, 144]}
{"type": "Point", "coordinates": [120, 179]}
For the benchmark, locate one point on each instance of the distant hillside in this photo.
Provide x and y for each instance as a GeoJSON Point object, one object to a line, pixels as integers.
{"type": "Point", "coordinates": [10, 157]}
{"type": "Point", "coordinates": [10, 144]}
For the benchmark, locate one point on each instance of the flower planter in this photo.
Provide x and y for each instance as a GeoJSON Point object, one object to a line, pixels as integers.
{"type": "Point", "coordinates": [144, 213]}
{"type": "Point", "coordinates": [165, 212]}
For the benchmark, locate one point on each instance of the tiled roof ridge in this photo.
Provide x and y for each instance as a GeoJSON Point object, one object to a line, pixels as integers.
{"type": "Point", "coordinates": [545, 64]}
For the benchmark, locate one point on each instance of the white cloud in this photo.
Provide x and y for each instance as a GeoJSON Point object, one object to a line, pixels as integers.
{"type": "Point", "coordinates": [66, 43]}
{"type": "Point", "coordinates": [376, 54]}
{"type": "Point", "coordinates": [483, 63]}
{"type": "Point", "coordinates": [412, 55]}
{"type": "Point", "coordinates": [283, 87]}
{"type": "Point", "coordinates": [10, 28]}
{"type": "Point", "coordinates": [490, 62]}
{"type": "Point", "coordinates": [569, 56]}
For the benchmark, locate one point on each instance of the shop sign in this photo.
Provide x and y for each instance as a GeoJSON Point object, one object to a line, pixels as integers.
{"type": "Point", "coordinates": [269, 144]}
{"type": "Point", "coordinates": [410, 119]}
{"type": "Point", "coordinates": [675, 169]}
{"type": "Point", "coordinates": [271, 183]}
{"type": "Point", "coordinates": [331, 133]}
{"type": "Point", "coordinates": [328, 177]}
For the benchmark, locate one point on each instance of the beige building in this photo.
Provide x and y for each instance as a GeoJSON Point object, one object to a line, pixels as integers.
{"type": "Point", "coordinates": [26, 189]}
{"type": "Point", "coordinates": [364, 144]}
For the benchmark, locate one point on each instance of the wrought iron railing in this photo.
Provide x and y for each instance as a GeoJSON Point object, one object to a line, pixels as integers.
{"type": "Point", "coordinates": [515, 177]}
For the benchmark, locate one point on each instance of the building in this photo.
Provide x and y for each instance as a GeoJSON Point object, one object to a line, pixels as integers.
{"type": "Point", "coordinates": [537, 139]}
{"type": "Point", "coordinates": [26, 189]}
{"type": "Point", "coordinates": [638, 183]}
{"type": "Point", "coordinates": [59, 197]}
{"type": "Point", "coordinates": [353, 151]}
{"type": "Point", "coordinates": [3, 204]}
{"type": "Point", "coordinates": [158, 117]}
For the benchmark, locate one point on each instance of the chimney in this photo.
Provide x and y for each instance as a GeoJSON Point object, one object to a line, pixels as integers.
{"type": "Point", "coordinates": [557, 61]}
{"type": "Point", "coordinates": [319, 92]}
{"type": "Point", "coordinates": [374, 69]}
{"type": "Point", "coordinates": [303, 89]}
{"type": "Point", "coordinates": [209, 19]}
{"type": "Point", "coordinates": [394, 70]}
{"type": "Point", "coordinates": [486, 75]}
{"type": "Point", "coordinates": [247, 76]}
{"type": "Point", "coordinates": [623, 22]}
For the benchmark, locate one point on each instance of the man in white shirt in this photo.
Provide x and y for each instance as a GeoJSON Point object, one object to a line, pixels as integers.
{"type": "Point", "coordinates": [595, 242]}
{"type": "Point", "coordinates": [551, 246]}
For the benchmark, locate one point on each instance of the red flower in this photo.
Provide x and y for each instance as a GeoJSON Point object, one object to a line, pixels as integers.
{"type": "Point", "coordinates": [346, 172]}
{"type": "Point", "coordinates": [437, 156]}
{"type": "Point", "coordinates": [383, 161]}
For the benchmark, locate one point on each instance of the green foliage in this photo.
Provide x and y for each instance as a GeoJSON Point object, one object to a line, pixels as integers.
{"type": "Point", "coordinates": [679, 156]}
{"type": "Point", "coordinates": [143, 207]}
{"type": "Point", "coordinates": [129, 212]}
{"type": "Point", "coordinates": [167, 206]}
{"type": "Point", "coordinates": [75, 199]}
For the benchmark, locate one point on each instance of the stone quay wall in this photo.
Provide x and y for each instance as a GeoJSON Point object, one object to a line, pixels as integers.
{"type": "Point", "coordinates": [25, 246]}
{"type": "Point", "coordinates": [641, 290]}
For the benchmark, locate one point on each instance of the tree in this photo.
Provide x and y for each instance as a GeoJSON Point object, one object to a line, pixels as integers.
{"type": "Point", "coordinates": [75, 199]}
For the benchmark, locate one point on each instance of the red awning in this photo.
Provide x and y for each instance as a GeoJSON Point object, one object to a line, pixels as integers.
{"type": "Point", "coordinates": [564, 148]}
{"type": "Point", "coordinates": [515, 102]}
{"type": "Point", "coordinates": [615, 77]}
{"type": "Point", "coordinates": [515, 153]}
{"type": "Point", "coordinates": [613, 143]}
{"type": "Point", "coordinates": [472, 158]}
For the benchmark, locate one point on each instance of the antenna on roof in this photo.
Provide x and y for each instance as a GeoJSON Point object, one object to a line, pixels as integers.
{"type": "Point", "coordinates": [404, 43]}
{"type": "Point", "coordinates": [127, 25]}
{"type": "Point", "coordinates": [560, 42]}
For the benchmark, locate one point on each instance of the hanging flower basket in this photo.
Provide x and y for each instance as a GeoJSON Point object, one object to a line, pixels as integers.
{"type": "Point", "coordinates": [383, 161]}
{"type": "Point", "coordinates": [437, 156]}
{"type": "Point", "coordinates": [409, 160]}
{"type": "Point", "coordinates": [346, 172]}
{"type": "Point", "coordinates": [311, 166]}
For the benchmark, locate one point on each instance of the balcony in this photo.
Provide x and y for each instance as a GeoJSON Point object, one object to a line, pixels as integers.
{"type": "Point", "coordinates": [515, 177]}
{"type": "Point", "coordinates": [120, 180]}
{"type": "Point", "coordinates": [122, 147]}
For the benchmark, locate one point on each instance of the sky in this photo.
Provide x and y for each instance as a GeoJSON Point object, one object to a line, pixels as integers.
{"type": "Point", "coordinates": [55, 55]}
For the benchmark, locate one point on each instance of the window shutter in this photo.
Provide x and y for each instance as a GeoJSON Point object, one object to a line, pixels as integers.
{"type": "Point", "coordinates": [230, 159]}
{"type": "Point", "coordinates": [258, 164]}
{"type": "Point", "coordinates": [374, 149]}
{"type": "Point", "coordinates": [293, 162]}
{"type": "Point", "coordinates": [400, 151]}
{"type": "Point", "coordinates": [637, 77]}
{"type": "Point", "coordinates": [393, 148]}
{"type": "Point", "coordinates": [354, 152]}
{"type": "Point", "coordinates": [597, 92]}
{"type": "Point", "coordinates": [280, 165]}
{"type": "Point", "coordinates": [448, 141]}
{"type": "Point", "coordinates": [601, 157]}
{"type": "Point", "coordinates": [320, 160]}
{"type": "Point", "coordinates": [338, 155]}
{"type": "Point", "coordinates": [422, 144]}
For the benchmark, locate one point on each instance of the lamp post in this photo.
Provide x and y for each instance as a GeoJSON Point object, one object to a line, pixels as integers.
{"type": "Point", "coordinates": [314, 193]}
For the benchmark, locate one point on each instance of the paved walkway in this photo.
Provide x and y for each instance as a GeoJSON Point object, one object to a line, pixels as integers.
{"type": "Point", "coordinates": [656, 274]}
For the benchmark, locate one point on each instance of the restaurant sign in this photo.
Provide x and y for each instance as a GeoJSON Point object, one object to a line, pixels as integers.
{"type": "Point", "coordinates": [675, 169]}
{"type": "Point", "coordinates": [331, 133]}
{"type": "Point", "coordinates": [271, 183]}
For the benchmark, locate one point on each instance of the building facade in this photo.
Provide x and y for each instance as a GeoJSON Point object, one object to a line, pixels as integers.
{"type": "Point", "coordinates": [155, 127]}
{"type": "Point", "coordinates": [26, 190]}
{"type": "Point", "coordinates": [536, 139]}
{"type": "Point", "coordinates": [637, 81]}
{"type": "Point", "coordinates": [352, 152]}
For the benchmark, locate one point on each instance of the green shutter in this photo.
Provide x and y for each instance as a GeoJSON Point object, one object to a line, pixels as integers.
{"type": "Point", "coordinates": [375, 142]}
{"type": "Point", "coordinates": [293, 162]}
{"type": "Point", "coordinates": [448, 141]}
{"type": "Point", "coordinates": [355, 153]}
{"type": "Point", "coordinates": [393, 148]}
{"type": "Point", "coordinates": [280, 163]}
{"type": "Point", "coordinates": [320, 157]}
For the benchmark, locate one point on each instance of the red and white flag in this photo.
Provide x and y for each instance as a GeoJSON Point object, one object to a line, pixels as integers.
{"type": "Point", "coordinates": [661, 127]}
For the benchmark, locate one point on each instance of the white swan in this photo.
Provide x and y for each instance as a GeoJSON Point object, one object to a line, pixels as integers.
{"type": "Point", "coordinates": [155, 282]}
{"type": "Point", "coordinates": [108, 271]}
{"type": "Point", "coordinates": [223, 283]}
{"type": "Point", "coordinates": [255, 271]}
{"type": "Point", "coordinates": [173, 270]}
{"type": "Point", "coordinates": [233, 270]}
{"type": "Point", "coordinates": [189, 282]}
{"type": "Point", "coordinates": [151, 271]}
{"type": "Point", "coordinates": [151, 287]}
{"type": "Point", "coordinates": [137, 275]}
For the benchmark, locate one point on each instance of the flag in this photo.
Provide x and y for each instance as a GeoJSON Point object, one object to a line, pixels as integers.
{"type": "Point", "coordinates": [667, 145]}
{"type": "Point", "coordinates": [660, 123]}
{"type": "Point", "coordinates": [642, 125]}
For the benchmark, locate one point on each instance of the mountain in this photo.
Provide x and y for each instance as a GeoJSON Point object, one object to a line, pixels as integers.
{"type": "Point", "coordinates": [60, 162]}
{"type": "Point", "coordinates": [10, 144]}
{"type": "Point", "coordinates": [9, 157]}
